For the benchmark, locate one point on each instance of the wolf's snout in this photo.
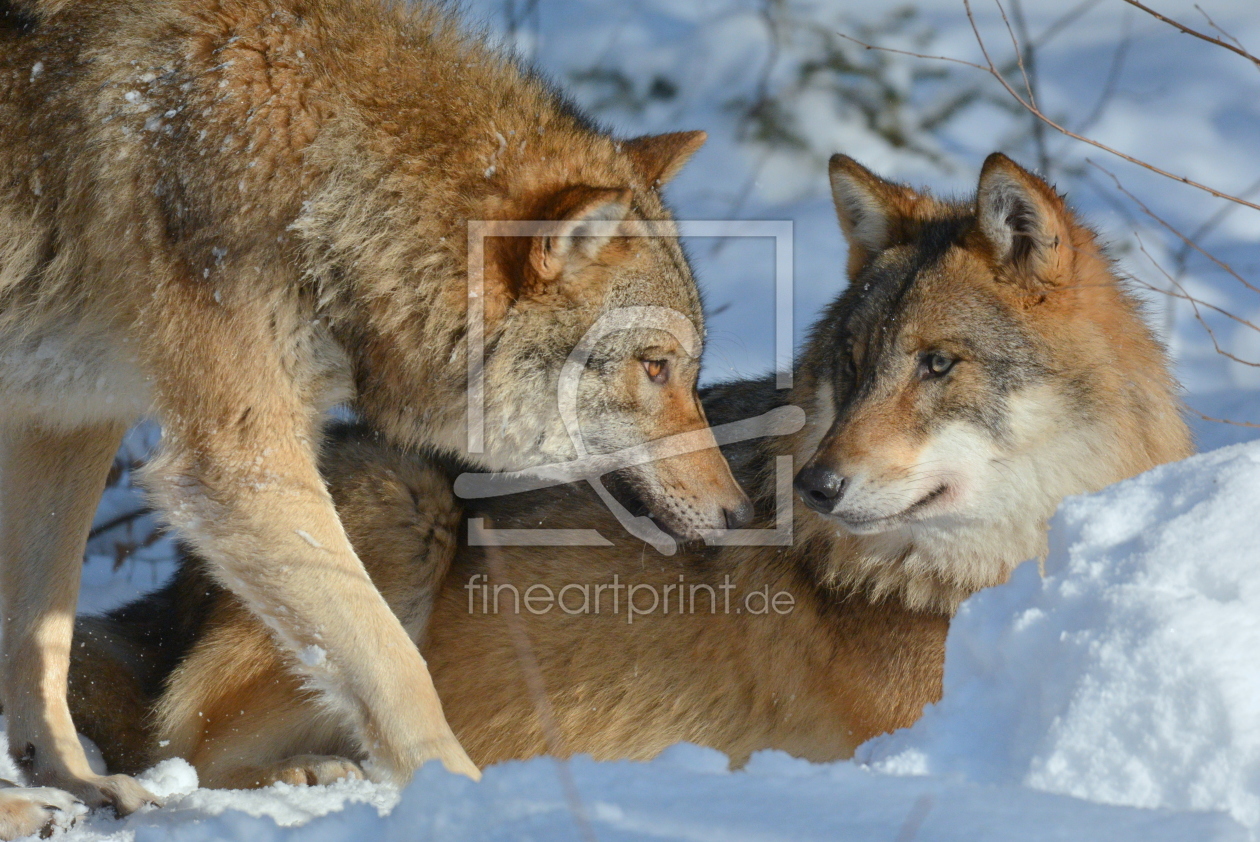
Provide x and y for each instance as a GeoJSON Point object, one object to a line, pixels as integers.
{"type": "Point", "coordinates": [740, 515]}
{"type": "Point", "coordinates": [821, 488]}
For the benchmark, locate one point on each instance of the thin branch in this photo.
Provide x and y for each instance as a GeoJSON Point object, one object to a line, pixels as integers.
{"type": "Point", "coordinates": [128, 517]}
{"type": "Point", "coordinates": [1026, 55]}
{"type": "Point", "coordinates": [1052, 31]}
{"type": "Point", "coordinates": [1196, 33]}
{"type": "Point", "coordinates": [1247, 424]}
{"type": "Point", "coordinates": [1195, 303]}
{"type": "Point", "coordinates": [1212, 24]}
{"type": "Point", "coordinates": [1222, 213]}
{"type": "Point", "coordinates": [991, 68]}
{"type": "Point", "coordinates": [1019, 52]}
{"type": "Point", "coordinates": [1113, 78]}
{"type": "Point", "coordinates": [897, 52]}
{"type": "Point", "coordinates": [1189, 242]}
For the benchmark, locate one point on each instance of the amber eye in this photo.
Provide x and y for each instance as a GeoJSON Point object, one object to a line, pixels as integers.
{"type": "Point", "coordinates": [934, 364]}
{"type": "Point", "coordinates": [657, 370]}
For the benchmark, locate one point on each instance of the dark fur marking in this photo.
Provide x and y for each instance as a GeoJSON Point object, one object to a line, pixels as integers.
{"type": "Point", "coordinates": [26, 760]}
{"type": "Point", "coordinates": [16, 19]}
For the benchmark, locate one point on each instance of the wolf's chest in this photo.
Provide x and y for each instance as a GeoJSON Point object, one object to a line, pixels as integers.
{"type": "Point", "coordinates": [69, 377]}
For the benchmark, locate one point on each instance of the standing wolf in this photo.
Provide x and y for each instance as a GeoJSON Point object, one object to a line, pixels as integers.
{"type": "Point", "coordinates": [233, 215]}
{"type": "Point", "coordinates": [983, 363]}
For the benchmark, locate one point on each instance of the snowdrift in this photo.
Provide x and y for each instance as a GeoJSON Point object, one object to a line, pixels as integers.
{"type": "Point", "coordinates": [1130, 673]}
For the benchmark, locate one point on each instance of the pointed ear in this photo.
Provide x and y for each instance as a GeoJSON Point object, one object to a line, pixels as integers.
{"type": "Point", "coordinates": [870, 209]}
{"type": "Point", "coordinates": [660, 157]}
{"type": "Point", "coordinates": [1023, 219]}
{"type": "Point", "coordinates": [586, 221]}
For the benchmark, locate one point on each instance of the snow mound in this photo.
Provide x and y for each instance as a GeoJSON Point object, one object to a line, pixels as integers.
{"type": "Point", "coordinates": [1129, 673]}
{"type": "Point", "coordinates": [686, 794]}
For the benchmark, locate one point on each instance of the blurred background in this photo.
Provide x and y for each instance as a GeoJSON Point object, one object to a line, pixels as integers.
{"type": "Point", "coordinates": [780, 85]}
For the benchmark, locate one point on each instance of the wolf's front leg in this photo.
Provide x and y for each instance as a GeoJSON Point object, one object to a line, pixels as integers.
{"type": "Point", "coordinates": [50, 482]}
{"type": "Point", "coordinates": [238, 478]}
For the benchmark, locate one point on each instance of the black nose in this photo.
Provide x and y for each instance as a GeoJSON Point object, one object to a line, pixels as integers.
{"type": "Point", "coordinates": [740, 515]}
{"type": "Point", "coordinates": [819, 487]}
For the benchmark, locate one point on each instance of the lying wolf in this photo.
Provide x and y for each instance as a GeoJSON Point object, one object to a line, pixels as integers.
{"type": "Point", "coordinates": [983, 362]}
{"type": "Point", "coordinates": [233, 215]}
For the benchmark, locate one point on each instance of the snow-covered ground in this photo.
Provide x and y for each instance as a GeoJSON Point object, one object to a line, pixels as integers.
{"type": "Point", "coordinates": [1127, 673]}
{"type": "Point", "coordinates": [1115, 698]}
{"type": "Point", "coordinates": [686, 794]}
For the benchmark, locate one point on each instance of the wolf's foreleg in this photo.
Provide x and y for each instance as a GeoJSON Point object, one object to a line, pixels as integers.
{"type": "Point", "coordinates": [50, 483]}
{"type": "Point", "coordinates": [238, 478]}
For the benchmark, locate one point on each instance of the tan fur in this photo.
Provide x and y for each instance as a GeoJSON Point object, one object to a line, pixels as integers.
{"type": "Point", "coordinates": [236, 214]}
{"type": "Point", "coordinates": [861, 650]}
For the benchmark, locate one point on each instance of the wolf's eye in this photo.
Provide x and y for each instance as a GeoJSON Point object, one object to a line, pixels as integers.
{"type": "Point", "coordinates": [851, 367]}
{"type": "Point", "coordinates": [657, 371]}
{"type": "Point", "coordinates": [934, 364]}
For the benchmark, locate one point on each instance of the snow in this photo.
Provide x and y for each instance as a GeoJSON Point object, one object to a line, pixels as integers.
{"type": "Point", "coordinates": [1127, 674]}
{"type": "Point", "coordinates": [685, 794]}
{"type": "Point", "coordinates": [1116, 697]}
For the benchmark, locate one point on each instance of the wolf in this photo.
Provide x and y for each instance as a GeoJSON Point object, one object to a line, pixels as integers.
{"type": "Point", "coordinates": [232, 216]}
{"type": "Point", "coordinates": [984, 361]}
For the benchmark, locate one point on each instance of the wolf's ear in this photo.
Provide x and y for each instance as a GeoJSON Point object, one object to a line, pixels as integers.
{"type": "Point", "coordinates": [870, 209]}
{"type": "Point", "coordinates": [586, 220]}
{"type": "Point", "coordinates": [1023, 219]}
{"type": "Point", "coordinates": [660, 157]}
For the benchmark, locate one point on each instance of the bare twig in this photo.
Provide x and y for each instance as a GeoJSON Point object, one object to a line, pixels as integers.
{"type": "Point", "coordinates": [1026, 56]}
{"type": "Point", "coordinates": [1113, 78]}
{"type": "Point", "coordinates": [914, 819]}
{"type": "Point", "coordinates": [127, 517]}
{"type": "Point", "coordinates": [1195, 304]}
{"type": "Point", "coordinates": [1232, 423]}
{"type": "Point", "coordinates": [1020, 52]}
{"type": "Point", "coordinates": [991, 68]}
{"type": "Point", "coordinates": [1196, 33]}
{"type": "Point", "coordinates": [1188, 241]}
{"type": "Point", "coordinates": [1212, 24]}
{"type": "Point", "coordinates": [1209, 225]}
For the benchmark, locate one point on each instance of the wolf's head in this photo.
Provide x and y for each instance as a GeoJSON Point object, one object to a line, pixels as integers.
{"type": "Point", "coordinates": [597, 331]}
{"type": "Point", "coordinates": [983, 363]}
{"type": "Point", "coordinates": [534, 311]}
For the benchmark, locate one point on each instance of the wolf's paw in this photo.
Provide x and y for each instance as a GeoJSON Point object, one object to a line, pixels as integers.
{"type": "Point", "coordinates": [25, 811]}
{"type": "Point", "coordinates": [119, 793]}
{"type": "Point", "coordinates": [311, 770]}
